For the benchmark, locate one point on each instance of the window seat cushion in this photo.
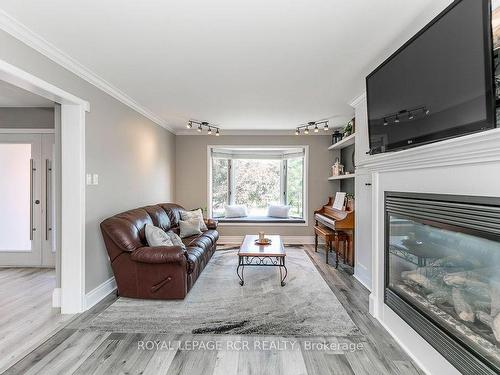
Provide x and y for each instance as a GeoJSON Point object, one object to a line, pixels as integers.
{"type": "Point", "coordinates": [261, 219]}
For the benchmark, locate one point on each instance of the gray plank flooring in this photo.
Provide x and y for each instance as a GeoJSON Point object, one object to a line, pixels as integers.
{"type": "Point", "coordinates": [26, 314]}
{"type": "Point", "coordinates": [72, 350]}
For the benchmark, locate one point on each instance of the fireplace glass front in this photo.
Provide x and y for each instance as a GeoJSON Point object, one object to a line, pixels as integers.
{"type": "Point", "coordinates": [448, 273]}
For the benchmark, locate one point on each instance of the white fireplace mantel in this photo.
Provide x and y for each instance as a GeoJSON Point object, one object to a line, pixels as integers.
{"type": "Point", "coordinates": [474, 148]}
{"type": "Point", "coordinates": [468, 165]}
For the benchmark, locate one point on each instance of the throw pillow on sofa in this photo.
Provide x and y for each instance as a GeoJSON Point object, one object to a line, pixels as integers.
{"type": "Point", "coordinates": [157, 237]}
{"type": "Point", "coordinates": [236, 210]}
{"type": "Point", "coordinates": [279, 211]}
{"type": "Point", "coordinates": [194, 214]}
{"type": "Point", "coordinates": [189, 228]}
{"type": "Point", "coordinates": [176, 240]}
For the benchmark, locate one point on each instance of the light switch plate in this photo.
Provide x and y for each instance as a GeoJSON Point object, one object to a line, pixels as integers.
{"type": "Point", "coordinates": [95, 179]}
{"type": "Point", "coordinates": [89, 179]}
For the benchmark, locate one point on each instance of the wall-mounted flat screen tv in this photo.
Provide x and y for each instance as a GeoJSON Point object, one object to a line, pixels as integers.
{"type": "Point", "coordinates": [440, 84]}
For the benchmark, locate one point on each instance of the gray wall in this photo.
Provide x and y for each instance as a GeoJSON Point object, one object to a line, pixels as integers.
{"type": "Point", "coordinates": [26, 118]}
{"type": "Point", "coordinates": [191, 174]}
{"type": "Point", "coordinates": [133, 156]}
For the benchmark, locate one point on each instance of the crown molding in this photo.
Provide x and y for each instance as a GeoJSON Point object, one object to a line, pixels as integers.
{"type": "Point", "coordinates": [19, 31]}
{"type": "Point", "coordinates": [354, 102]}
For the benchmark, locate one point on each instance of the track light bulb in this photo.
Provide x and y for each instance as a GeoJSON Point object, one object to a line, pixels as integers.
{"type": "Point", "coordinates": [325, 127]}
{"type": "Point", "coordinates": [209, 130]}
{"type": "Point", "coordinates": [385, 122]}
{"type": "Point", "coordinates": [189, 125]}
{"type": "Point", "coordinates": [316, 129]}
{"type": "Point", "coordinates": [217, 133]}
{"type": "Point", "coordinates": [297, 132]}
{"type": "Point", "coordinates": [199, 129]}
{"type": "Point", "coordinates": [306, 131]}
{"type": "Point", "coordinates": [396, 120]}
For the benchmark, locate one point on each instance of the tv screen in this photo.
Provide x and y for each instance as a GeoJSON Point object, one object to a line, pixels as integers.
{"type": "Point", "coordinates": [438, 85]}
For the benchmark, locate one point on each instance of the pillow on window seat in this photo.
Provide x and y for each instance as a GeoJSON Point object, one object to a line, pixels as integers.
{"type": "Point", "coordinates": [236, 210]}
{"type": "Point", "coordinates": [280, 211]}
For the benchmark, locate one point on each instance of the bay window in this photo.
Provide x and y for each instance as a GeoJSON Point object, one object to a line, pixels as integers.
{"type": "Point", "coordinates": [256, 178]}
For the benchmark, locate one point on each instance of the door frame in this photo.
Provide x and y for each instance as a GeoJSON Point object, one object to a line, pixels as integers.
{"type": "Point", "coordinates": [72, 246]}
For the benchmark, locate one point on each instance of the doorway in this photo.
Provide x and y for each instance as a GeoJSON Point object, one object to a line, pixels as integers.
{"type": "Point", "coordinates": [27, 201]}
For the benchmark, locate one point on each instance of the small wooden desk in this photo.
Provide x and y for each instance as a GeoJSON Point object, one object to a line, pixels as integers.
{"type": "Point", "coordinates": [252, 254]}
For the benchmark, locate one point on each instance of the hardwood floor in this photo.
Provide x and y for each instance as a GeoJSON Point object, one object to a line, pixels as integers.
{"type": "Point", "coordinates": [76, 351]}
{"type": "Point", "coordinates": [26, 314]}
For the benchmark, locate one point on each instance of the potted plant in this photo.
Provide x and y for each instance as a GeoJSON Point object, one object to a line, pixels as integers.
{"type": "Point", "coordinates": [348, 129]}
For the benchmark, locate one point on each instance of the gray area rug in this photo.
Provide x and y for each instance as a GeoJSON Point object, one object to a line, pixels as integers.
{"type": "Point", "coordinates": [217, 304]}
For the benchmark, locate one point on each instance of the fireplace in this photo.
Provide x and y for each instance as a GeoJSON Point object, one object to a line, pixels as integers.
{"type": "Point", "coordinates": [442, 274]}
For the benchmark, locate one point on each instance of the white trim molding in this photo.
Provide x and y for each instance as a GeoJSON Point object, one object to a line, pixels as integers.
{"type": "Point", "coordinates": [97, 294]}
{"type": "Point", "coordinates": [21, 32]}
{"type": "Point", "coordinates": [72, 249]}
{"type": "Point", "coordinates": [474, 148]}
{"type": "Point", "coordinates": [56, 298]}
{"type": "Point", "coordinates": [27, 131]}
{"type": "Point", "coordinates": [358, 99]}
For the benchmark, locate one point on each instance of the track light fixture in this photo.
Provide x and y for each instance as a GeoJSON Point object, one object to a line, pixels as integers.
{"type": "Point", "coordinates": [204, 125]}
{"type": "Point", "coordinates": [396, 120]}
{"type": "Point", "coordinates": [314, 125]}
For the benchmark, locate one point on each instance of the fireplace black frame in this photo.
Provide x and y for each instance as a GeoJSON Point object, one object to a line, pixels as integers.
{"type": "Point", "coordinates": [464, 358]}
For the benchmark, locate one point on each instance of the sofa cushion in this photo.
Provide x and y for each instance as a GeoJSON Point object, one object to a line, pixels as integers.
{"type": "Point", "coordinates": [195, 259]}
{"type": "Point", "coordinates": [212, 234]}
{"type": "Point", "coordinates": [173, 211]}
{"type": "Point", "coordinates": [158, 216]}
{"type": "Point", "coordinates": [202, 242]}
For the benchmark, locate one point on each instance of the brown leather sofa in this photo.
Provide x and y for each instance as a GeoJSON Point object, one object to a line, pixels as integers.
{"type": "Point", "coordinates": [164, 272]}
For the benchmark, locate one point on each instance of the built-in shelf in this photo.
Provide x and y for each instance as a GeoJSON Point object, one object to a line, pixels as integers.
{"type": "Point", "coordinates": [347, 141]}
{"type": "Point", "coordinates": [342, 177]}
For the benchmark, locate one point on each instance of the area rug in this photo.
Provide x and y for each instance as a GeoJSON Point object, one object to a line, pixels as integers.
{"type": "Point", "coordinates": [217, 304]}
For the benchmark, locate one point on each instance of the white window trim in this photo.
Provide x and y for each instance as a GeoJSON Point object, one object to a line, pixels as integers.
{"type": "Point", "coordinates": [267, 224]}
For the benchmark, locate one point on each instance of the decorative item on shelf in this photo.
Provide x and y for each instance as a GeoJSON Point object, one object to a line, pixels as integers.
{"type": "Point", "coordinates": [336, 137]}
{"type": "Point", "coordinates": [348, 129]}
{"type": "Point", "coordinates": [203, 124]}
{"type": "Point", "coordinates": [313, 126]}
{"type": "Point", "coordinates": [349, 202]}
{"type": "Point", "coordinates": [337, 168]}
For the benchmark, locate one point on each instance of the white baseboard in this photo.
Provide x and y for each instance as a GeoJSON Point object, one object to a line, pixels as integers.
{"type": "Point", "coordinates": [56, 297]}
{"type": "Point", "coordinates": [288, 240]}
{"type": "Point", "coordinates": [361, 280]}
{"type": "Point", "coordinates": [97, 294]}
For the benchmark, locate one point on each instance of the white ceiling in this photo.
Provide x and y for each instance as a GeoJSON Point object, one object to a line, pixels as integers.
{"type": "Point", "coordinates": [13, 96]}
{"type": "Point", "coordinates": [248, 64]}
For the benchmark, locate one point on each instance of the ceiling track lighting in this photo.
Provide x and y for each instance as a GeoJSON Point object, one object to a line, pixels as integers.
{"type": "Point", "coordinates": [204, 125]}
{"type": "Point", "coordinates": [313, 125]}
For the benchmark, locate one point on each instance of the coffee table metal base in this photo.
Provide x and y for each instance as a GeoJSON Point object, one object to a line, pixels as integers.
{"type": "Point", "coordinates": [262, 261]}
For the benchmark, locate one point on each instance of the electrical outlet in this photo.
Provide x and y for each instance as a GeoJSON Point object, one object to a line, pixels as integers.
{"type": "Point", "coordinates": [89, 179]}
{"type": "Point", "coordinates": [95, 179]}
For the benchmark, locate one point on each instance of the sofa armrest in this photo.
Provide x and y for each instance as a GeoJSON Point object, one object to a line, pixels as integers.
{"type": "Point", "coordinates": [211, 223]}
{"type": "Point", "coordinates": [159, 254]}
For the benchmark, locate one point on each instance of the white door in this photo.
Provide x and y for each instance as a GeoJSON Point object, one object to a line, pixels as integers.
{"type": "Point", "coordinates": [24, 188]}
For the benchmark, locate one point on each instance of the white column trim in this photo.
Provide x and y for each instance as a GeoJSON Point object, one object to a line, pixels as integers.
{"type": "Point", "coordinates": [72, 292]}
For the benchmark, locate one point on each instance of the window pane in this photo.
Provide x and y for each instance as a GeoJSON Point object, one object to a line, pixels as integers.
{"type": "Point", "coordinates": [295, 186]}
{"type": "Point", "coordinates": [220, 193]}
{"type": "Point", "coordinates": [257, 184]}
